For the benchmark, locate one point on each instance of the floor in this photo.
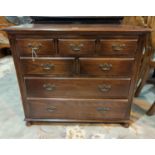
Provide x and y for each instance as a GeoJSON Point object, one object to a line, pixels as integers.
{"type": "Point", "coordinates": [13, 126]}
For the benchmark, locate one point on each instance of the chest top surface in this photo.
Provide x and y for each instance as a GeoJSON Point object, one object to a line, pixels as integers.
{"type": "Point", "coordinates": [77, 28]}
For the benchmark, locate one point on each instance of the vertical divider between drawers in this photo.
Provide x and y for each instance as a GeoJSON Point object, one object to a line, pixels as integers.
{"type": "Point", "coordinates": [56, 46]}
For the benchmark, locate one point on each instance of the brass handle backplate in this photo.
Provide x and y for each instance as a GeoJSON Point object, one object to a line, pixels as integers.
{"type": "Point", "coordinates": [76, 47]}
{"type": "Point", "coordinates": [118, 47]}
{"type": "Point", "coordinates": [102, 109]}
{"type": "Point", "coordinates": [104, 87]}
{"type": "Point", "coordinates": [49, 87]}
{"type": "Point", "coordinates": [51, 109]}
{"type": "Point", "coordinates": [105, 67]}
{"type": "Point", "coordinates": [47, 67]}
{"type": "Point", "coordinates": [34, 45]}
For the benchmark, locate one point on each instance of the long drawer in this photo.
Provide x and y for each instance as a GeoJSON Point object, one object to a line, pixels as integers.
{"type": "Point", "coordinates": [107, 66]}
{"type": "Point", "coordinates": [79, 109]}
{"type": "Point", "coordinates": [48, 66]}
{"type": "Point", "coordinates": [77, 88]}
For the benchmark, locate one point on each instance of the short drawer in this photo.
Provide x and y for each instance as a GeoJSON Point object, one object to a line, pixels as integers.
{"type": "Point", "coordinates": [88, 88]}
{"type": "Point", "coordinates": [119, 67]}
{"type": "Point", "coordinates": [76, 47]}
{"type": "Point", "coordinates": [35, 47]}
{"type": "Point", "coordinates": [79, 109]}
{"type": "Point", "coordinates": [49, 66]}
{"type": "Point", "coordinates": [118, 47]}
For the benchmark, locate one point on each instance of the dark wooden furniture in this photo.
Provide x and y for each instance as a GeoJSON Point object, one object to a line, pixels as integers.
{"type": "Point", "coordinates": [77, 72]}
{"type": "Point", "coordinates": [151, 111]}
{"type": "Point", "coordinates": [76, 19]}
{"type": "Point", "coordinates": [4, 42]}
{"type": "Point", "coordinates": [147, 63]}
{"type": "Point", "coordinates": [145, 71]}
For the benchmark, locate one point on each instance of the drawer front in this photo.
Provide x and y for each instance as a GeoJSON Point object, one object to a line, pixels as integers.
{"type": "Point", "coordinates": [50, 66]}
{"type": "Point", "coordinates": [77, 88]}
{"type": "Point", "coordinates": [76, 47]}
{"type": "Point", "coordinates": [118, 47]}
{"type": "Point", "coordinates": [79, 109]}
{"type": "Point", "coordinates": [106, 67]}
{"type": "Point", "coordinates": [37, 47]}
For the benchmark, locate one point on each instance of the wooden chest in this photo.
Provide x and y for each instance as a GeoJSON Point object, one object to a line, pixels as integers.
{"type": "Point", "coordinates": [77, 72]}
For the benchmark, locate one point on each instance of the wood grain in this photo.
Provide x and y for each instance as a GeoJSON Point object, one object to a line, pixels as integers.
{"type": "Point", "coordinates": [48, 66]}
{"type": "Point", "coordinates": [77, 88]}
{"type": "Point", "coordinates": [78, 109]}
{"type": "Point", "coordinates": [79, 71]}
{"type": "Point", "coordinates": [111, 67]}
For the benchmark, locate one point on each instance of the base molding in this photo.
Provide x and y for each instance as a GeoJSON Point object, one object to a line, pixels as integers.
{"type": "Point", "coordinates": [31, 121]}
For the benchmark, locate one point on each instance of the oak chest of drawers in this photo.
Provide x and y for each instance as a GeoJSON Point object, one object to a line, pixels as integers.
{"type": "Point", "coordinates": [77, 73]}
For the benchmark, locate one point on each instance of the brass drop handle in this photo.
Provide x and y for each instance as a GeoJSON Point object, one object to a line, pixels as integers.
{"type": "Point", "coordinates": [104, 88]}
{"type": "Point", "coordinates": [102, 109]}
{"type": "Point", "coordinates": [47, 67]}
{"type": "Point", "coordinates": [51, 109]}
{"type": "Point", "coordinates": [105, 67]}
{"type": "Point", "coordinates": [34, 48]}
{"type": "Point", "coordinates": [49, 87]}
{"type": "Point", "coordinates": [118, 47]}
{"type": "Point", "coordinates": [76, 47]}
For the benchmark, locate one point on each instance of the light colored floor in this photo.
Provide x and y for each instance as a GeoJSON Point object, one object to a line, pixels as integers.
{"type": "Point", "coordinates": [13, 126]}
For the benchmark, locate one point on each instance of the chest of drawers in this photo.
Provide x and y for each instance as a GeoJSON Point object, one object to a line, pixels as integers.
{"type": "Point", "coordinates": [77, 73]}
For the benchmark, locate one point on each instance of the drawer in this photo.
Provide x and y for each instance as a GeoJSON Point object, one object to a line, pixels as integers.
{"type": "Point", "coordinates": [76, 47]}
{"type": "Point", "coordinates": [48, 66]}
{"type": "Point", "coordinates": [107, 67]}
{"type": "Point", "coordinates": [79, 109]}
{"type": "Point", "coordinates": [88, 88]}
{"type": "Point", "coordinates": [39, 47]}
{"type": "Point", "coordinates": [118, 47]}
